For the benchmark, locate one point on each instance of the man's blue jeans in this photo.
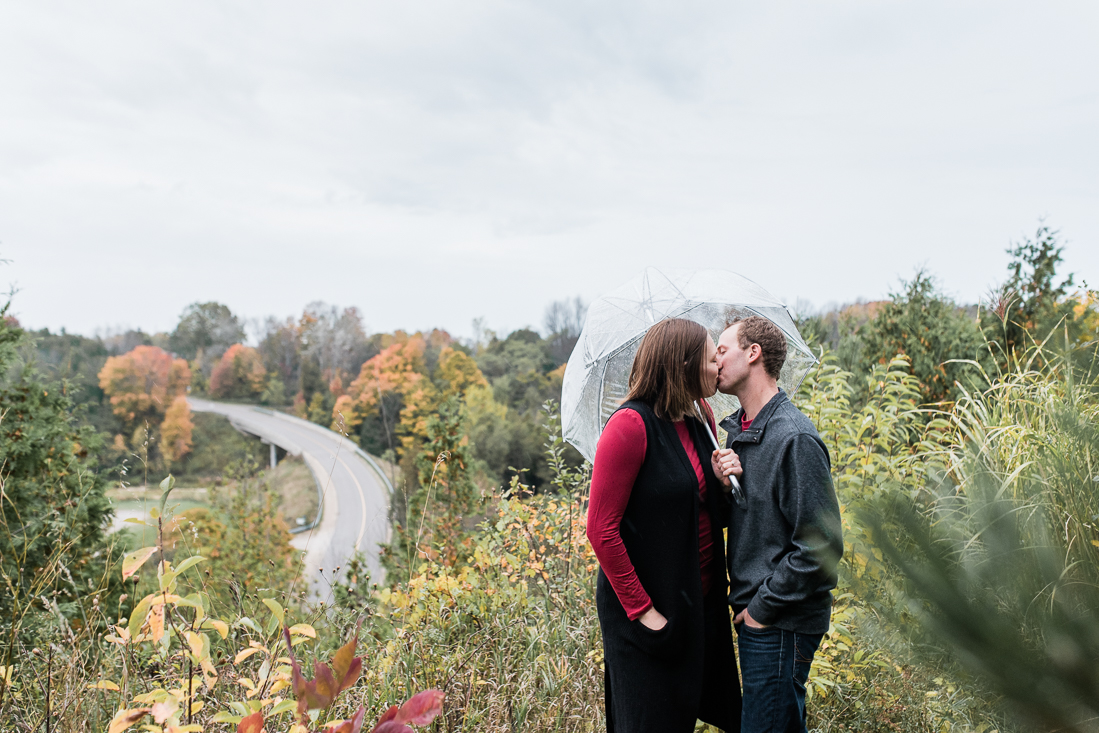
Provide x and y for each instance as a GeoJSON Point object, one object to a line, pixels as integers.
{"type": "Point", "coordinates": [774, 665]}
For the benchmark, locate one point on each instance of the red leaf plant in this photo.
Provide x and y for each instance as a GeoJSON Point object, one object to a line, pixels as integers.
{"type": "Point", "coordinates": [420, 709]}
{"type": "Point", "coordinates": [251, 724]}
{"type": "Point", "coordinates": [329, 681]}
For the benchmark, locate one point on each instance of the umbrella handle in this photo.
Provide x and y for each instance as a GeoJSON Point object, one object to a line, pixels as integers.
{"type": "Point", "coordinates": [713, 439]}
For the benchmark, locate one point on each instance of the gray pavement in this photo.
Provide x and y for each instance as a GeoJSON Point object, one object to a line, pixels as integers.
{"type": "Point", "coordinates": [355, 495]}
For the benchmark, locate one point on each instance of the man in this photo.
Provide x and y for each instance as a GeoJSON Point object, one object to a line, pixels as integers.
{"type": "Point", "coordinates": [784, 538]}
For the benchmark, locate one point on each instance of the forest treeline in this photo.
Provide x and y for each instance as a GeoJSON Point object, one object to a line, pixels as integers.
{"type": "Point", "coordinates": [405, 397]}
{"type": "Point", "coordinates": [127, 386]}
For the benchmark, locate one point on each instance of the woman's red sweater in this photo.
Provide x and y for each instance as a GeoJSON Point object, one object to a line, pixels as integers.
{"type": "Point", "coordinates": [618, 459]}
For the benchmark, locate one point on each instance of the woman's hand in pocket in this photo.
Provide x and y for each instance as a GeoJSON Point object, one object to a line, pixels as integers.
{"type": "Point", "coordinates": [653, 619]}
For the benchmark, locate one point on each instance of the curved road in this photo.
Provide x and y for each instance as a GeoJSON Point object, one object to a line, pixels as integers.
{"type": "Point", "coordinates": [355, 495]}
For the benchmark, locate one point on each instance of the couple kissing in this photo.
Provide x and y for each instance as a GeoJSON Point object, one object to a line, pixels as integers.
{"type": "Point", "coordinates": [671, 588]}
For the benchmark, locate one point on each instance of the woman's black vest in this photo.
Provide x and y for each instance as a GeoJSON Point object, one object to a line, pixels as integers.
{"type": "Point", "coordinates": [656, 678]}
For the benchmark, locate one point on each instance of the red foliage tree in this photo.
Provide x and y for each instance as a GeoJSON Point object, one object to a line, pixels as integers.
{"type": "Point", "coordinates": [398, 368]}
{"type": "Point", "coordinates": [239, 375]}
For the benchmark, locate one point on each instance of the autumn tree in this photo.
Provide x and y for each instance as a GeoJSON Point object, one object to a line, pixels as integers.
{"type": "Point", "coordinates": [500, 392]}
{"type": "Point", "coordinates": [332, 346]}
{"type": "Point", "coordinates": [239, 374]}
{"type": "Point", "coordinates": [428, 424]}
{"type": "Point", "coordinates": [143, 383]}
{"type": "Point", "coordinates": [398, 369]}
{"type": "Point", "coordinates": [175, 431]}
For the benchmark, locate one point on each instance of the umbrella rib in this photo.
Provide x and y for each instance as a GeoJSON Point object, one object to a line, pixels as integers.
{"type": "Point", "coordinates": [674, 286]}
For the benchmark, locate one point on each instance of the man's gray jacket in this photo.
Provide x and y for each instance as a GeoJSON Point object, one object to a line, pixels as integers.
{"type": "Point", "coordinates": [785, 543]}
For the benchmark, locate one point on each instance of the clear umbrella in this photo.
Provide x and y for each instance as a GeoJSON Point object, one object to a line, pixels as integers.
{"type": "Point", "coordinates": [598, 373]}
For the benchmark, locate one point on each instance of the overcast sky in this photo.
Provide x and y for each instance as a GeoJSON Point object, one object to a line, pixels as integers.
{"type": "Point", "coordinates": [432, 162]}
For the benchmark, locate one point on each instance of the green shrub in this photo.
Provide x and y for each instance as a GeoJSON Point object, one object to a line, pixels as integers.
{"type": "Point", "coordinates": [1001, 555]}
{"type": "Point", "coordinates": [54, 552]}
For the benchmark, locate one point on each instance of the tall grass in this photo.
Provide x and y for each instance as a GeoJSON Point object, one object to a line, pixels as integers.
{"type": "Point", "coordinates": [1001, 554]}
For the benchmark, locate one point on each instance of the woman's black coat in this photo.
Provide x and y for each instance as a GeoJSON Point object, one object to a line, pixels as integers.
{"type": "Point", "coordinates": [661, 681]}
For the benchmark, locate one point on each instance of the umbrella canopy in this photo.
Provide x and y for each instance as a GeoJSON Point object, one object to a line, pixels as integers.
{"type": "Point", "coordinates": [598, 373]}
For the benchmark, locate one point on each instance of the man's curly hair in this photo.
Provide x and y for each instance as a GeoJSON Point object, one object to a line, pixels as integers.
{"type": "Point", "coordinates": [771, 340]}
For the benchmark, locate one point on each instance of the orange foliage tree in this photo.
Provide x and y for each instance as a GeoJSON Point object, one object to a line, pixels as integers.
{"type": "Point", "coordinates": [433, 444]}
{"type": "Point", "coordinates": [398, 368]}
{"type": "Point", "coordinates": [143, 383]}
{"type": "Point", "coordinates": [175, 431]}
{"type": "Point", "coordinates": [239, 374]}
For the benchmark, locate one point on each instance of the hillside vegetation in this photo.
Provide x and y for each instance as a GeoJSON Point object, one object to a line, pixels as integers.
{"type": "Point", "coordinates": [963, 446]}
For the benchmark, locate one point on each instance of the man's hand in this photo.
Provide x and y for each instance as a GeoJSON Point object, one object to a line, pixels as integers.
{"type": "Point", "coordinates": [746, 618]}
{"type": "Point", "coordinates": [653, 619]}
{"type": "Point", "coordinates": [726, 463]}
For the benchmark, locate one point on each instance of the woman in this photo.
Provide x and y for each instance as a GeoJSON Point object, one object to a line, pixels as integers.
{"type": "Point", "coordinates": [655, 520]}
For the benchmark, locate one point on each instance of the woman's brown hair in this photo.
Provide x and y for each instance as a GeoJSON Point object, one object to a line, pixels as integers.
{"type": "Point", "coordinates": [667, 371]}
